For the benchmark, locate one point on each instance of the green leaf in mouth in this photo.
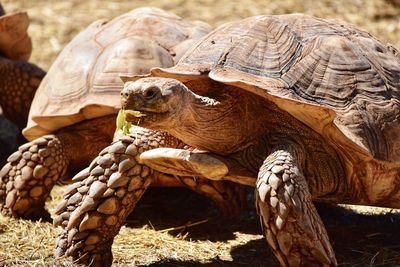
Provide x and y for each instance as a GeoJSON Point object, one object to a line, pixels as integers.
{"type": "Point", "coordinates": [120, 119]}
{"type": "Point", "coordinates": [135, 113]}
{"type": "Point", "coordinates": [124, 125]}
{"type": "Point", "coordinates": [127, 126]}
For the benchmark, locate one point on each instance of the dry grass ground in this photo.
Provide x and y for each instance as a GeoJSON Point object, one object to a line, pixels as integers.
{"type": "Point", "coordinates": [360, 236]}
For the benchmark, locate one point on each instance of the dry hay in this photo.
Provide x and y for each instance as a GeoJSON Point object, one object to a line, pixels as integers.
{"type": "Point", "coordinates": [361, 236]}
{"type": "Point", "coordinates": [157, 233]}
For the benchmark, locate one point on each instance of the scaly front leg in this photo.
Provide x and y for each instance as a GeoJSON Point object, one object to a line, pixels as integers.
{"type": "Point", "coordinates": [288, 217]}
{"type": "Point", "coordinates": [96, 206]}
{"type": "Point", "coordinates": [30, 174]}
{"type": "Point", "coordinates": [18, 85]}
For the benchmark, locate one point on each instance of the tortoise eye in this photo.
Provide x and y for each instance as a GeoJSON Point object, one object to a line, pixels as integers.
{"type": "Point", "coordinates": [150, 92]}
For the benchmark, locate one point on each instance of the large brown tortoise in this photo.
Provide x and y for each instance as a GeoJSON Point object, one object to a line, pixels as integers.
{"type": "Point", "coordinates": [73, 114]}
{"type": "Point", "coordinates": [302, 108]}
{"type": "Point", "coordinates": [19, 79]}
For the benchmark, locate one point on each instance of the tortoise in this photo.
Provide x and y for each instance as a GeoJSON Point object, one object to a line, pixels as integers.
{"type": "Point", "coordinates": [73, 114]}
{"type": "Point", "coordinates": [19, 78]}
{"type": "Point", "coordinates": [301, 108]}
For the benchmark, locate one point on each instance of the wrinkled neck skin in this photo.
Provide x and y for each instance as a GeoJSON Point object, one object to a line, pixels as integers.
{"type": "Point", "coordinates": [220, 123]}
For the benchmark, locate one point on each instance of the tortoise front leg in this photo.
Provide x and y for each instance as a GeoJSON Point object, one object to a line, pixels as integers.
{"type": "Point", "coordinates": [18, 85]}
{"type": "Point", "coordinates": [30, 174]}
{"type": "Point", "coordinates": [290, 222]}
{"type": "Point", "coordinates": [96, 206]}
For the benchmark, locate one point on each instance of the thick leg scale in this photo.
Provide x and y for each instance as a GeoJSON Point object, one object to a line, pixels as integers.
{"type": "Point", "coordinates": [290, 222]}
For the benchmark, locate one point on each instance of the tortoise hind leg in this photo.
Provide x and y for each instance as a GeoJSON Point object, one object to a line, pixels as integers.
{"type": "Point", "coordinates": [30, 174]}
{"type": "Point", "coordinates": [290, 222]}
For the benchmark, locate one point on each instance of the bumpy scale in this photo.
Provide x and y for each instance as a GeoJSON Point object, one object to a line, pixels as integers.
{"type": "Point", "coordinates": [285, 207]}
{"type": "Point", "coordinates": [19, 82]}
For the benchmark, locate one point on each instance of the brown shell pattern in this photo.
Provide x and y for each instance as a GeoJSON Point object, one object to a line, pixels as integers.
{"type": "Point", "coordinates": [337, 79]}
{"type": "Point", "coordinates": [84, 82]}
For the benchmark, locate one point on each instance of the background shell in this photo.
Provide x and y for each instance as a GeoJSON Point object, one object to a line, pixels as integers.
{"type": "Point", "coordinates": [15, 42]}
{"type": "Point", "coordinates": [83, 82]}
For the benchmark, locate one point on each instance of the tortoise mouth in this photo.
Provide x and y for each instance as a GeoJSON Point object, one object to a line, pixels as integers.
{"type": "Point", "coordinates": [128, 118]}
{"type": "Point", "coordinates": [135, 113]}
{"type": "Point", "coordinates": [136, 116]}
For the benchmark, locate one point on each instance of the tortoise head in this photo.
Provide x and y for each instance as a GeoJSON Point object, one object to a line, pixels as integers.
{"type": "Point", "coordinates": [158, 102]}
{"type": "Point", "coordinates": [213, 122]}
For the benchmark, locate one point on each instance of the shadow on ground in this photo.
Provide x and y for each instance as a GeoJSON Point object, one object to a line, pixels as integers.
{"type": "Point", "coordinates": [358, 240]}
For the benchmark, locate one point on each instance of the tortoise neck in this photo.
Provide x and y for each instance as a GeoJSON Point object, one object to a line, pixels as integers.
{"type": "Point", "coordinates": [221, 123]}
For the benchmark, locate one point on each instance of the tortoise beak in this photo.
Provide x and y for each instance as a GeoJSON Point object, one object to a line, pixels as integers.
{"type": "Point", "coordinates": [130, 100]}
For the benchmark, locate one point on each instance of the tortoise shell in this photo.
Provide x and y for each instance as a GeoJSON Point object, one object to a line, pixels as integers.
{"type": "Point", "coordinates": [333, 77]}
{"type": "Point", "coordinates": [83, 82]}
{"type": "Point", "coordinates": [15, 42]}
